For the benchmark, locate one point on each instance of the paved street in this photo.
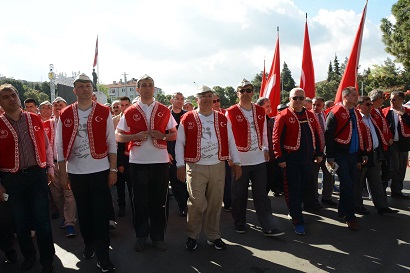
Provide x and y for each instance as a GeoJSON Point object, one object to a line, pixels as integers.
{"type": "Point", "coordinates": [381, 245]}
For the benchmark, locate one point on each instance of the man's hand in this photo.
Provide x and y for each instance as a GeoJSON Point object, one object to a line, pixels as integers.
{"type": "Point", "coordinates": [359, 166]}
{"type": "Point", "coordinates": [390, 142]}
{"type": "Point", "coordinates": [364, 160]}
{"type": "Point", "coordinates": [64, 181]}
{"type": "Point", "coordinates": [318, 159]}
{"type": "Point", "coordinates": [157, 135]}
{"type": "Point", "coordinates": [236, 171]}
{"type": "Point", "coordinates": [266, 154]}
{"type": "Point", "coordinates": [2, 192]}
{"type": "Point", "coordinates": [282, 164]}
{"type": "Point", "coordinates": [50, 178]}
{"type": "Point", "coordinates": [112, 178]}
{"type": "Point", "coordinates": [121, 169]}
{"type": "Point", "coordinates": [181, 173]}
{"type": "Point", "coordinates": [142, 136]}
{"type": "Point", "coordinates": [170, 159]}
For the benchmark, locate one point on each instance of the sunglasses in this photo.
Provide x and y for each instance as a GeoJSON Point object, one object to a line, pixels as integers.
{"type": "Point", "coordinates": [298, 97]}
{"type": "Point", "coordinates": [247, 90]}
{"type": "Point", "coordinates": [115, 107]}
{"type": "Point", "coordinates": [215, 101]}
{"type": "Point", "coordinates": [393, 99]}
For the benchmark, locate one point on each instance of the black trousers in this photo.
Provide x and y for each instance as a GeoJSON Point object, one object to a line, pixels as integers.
{"type": "Point", "coordinates": [90, 193]}
{"type": "Point", "coordinates": [149, 199]}
{"type": "Point", "coordinates": [178, 187]}
{"type": "Point", "coordinates": [6, 227]}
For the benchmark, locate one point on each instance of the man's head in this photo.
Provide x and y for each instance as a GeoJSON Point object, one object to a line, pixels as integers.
{"type": "Point", "coordinates": [350, 97]}
{"type": "Point", "coordinates": [204, 98]}
{"type": "Point", "coordinates": [58, 104]}
{"type": "Point", "coordinates": [364, 104]}
{"type": "Point", "coordinates": [308, 103]}
{"type": "Point", "coordinates": [188, 106]}
{"type": "Point", "coordinates": [9, 98]}
{"type": "Point", "coordinates": [177, 101]}
{"type": "Point", "coordinates": [377, 97]}
{"type": "Point", "coordinates": [281, 107]}
{"type": "Point", "coordinates": [83, 88]}
{"type": "Point", "coordinates": [265, 103]}
{"type": "Point", "coordinates": [145, 87]}
{"type": "Point", "coordinates": [318, 104]}
{"type": "Point", "coordinates": [125, 102]}
{"type": "Point", "coordinates": [30, 105]}
{"type": "Point", "coordinates": [329, 104]}
{"type": "Point", "coordinates": [396, 99]}
{"type": "Point", "coordinates": [45, 109]}
{"type": "Point", "coordinates": [244, 91]}
{"type": "Point", "coordinates": [116, 107]}
{"type": "Point", "coordinates": [216, 102]}
{"type": "Point", "coordinates": [297, 99]}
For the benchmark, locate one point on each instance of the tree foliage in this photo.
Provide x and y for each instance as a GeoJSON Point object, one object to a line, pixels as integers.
{"type": "Point", "coordinates": [396, 35]}
{"type": "Point", "coordinates": [37, 95]}
{"type": "Point", "coordinates": [288, 83]}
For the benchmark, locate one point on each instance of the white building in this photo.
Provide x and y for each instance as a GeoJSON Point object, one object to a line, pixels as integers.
{"type": "Point", "coordinates": [119, 89]}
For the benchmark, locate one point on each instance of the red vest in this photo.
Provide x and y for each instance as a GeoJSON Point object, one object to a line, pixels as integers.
{"type": "Point", "coordinates": [137, 121]}
{"type": "Point", "coordinates": [291, 142]}
{"type": "Point", "coordinates": [404, 128]}
{"type": "Point", "coordinates": [193, 134]}
{"type": "Point", "coordinates": [96, 126]}
{"type": "Point", "coordinates": [241, 127]}
{"type": "Point", "coordinates": [49, 129]}
{"type": "Point", "coordinates": [381, 123]}
{"type": "Point", "coordinates": [9, 147]}
{"type": "Point", "coordinates": [343, 133]}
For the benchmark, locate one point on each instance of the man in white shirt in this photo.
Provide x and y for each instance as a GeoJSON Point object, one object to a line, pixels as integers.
{"type": "Point", "coordinates": [250, 132]}
{"type": "Point", "coordinates": [87, 152]}
{"type": "Point", "coordinates": [144, 123]}
{"type": "Point", "coordinates": [205, 141]}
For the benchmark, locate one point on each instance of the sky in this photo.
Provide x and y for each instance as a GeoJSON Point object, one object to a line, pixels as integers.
{"type": "Point", "coordinates": [183, 43]}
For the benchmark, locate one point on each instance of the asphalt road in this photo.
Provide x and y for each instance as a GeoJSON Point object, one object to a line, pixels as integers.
{"type": "Point", "coordinates": [382, 244]}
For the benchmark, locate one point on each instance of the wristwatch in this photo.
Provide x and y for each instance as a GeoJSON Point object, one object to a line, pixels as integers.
{"type": "Point", "coordinates": [165, 137]}
{"type": "Point", "coordinates": [114, 170]}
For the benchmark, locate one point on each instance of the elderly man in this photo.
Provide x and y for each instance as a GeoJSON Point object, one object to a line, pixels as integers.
{"type": "Point", "coordinates": [249, 129]}
{"type": "Point", "coordinates": [145, 124]}
{"type": "Point", "coordinates": [347, 143]}
{"type": "Point", "coordinates": [297, 143]}
{"type": "Point", "coordinates": [205, 141]}
{"type": "Point", "coordinates": [87, 152]}
{"type": "Point", "coordinates": [398, 118]}
{"type": "Point", "coordinates": [372, 169]}
{"type": "Point", "coordinates": [25, 158]}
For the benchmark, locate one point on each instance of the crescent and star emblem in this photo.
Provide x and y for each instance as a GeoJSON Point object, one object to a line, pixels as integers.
{"type": "Point", "coordinates": [160, 114]}
{"type": "Point", "coordinates": [98, 119]}
{"type": "Point", "coordinates": [260, 117]}
{"type": "Point", "coordinates": [36, 128]}
{"type": "Point", "coordinates": [223, 124]}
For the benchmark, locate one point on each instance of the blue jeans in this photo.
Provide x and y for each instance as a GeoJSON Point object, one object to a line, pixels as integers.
{"type": "Point", "coordinates": [28, 198]}
{"type": "Point", "coordinates": [347, 177]}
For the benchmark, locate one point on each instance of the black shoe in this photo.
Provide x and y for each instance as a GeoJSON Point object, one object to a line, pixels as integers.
{"type": "Point", "coordinates": [107, 267]}
{"type": "Point", "coordinates": [387, 210]}
{"type": "Point", "coordinates": [140, 244]}
{"type": "Point", "coordinates": [273, 233]}
{"type": "Point", "coordinates": [121, 212]}
{"type": "Point", "coordinates": [191, 244]}
{"type": "Point", "coordinates": [399, 195]}
{"type": "Point", "coordinates": [88, 252]}
{"type": "Point", "coordinates": [218, 244]}
{"type": "Point", "coordinates": [28, 263]}
{"type": "Point", "coordinates": [11, 256]}
{"type": "Point", "coordinates": [329, 202]}
{"type": "Point", "coordinates": [240, 229]}
{"type": "Point", "coordinates": [228, 209]}
{"type": "Point", "coordinates": [361, 210]}
{"type": "Point", "coordinates": [47, 268]}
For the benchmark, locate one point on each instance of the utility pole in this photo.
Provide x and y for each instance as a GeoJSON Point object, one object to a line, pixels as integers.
{"type": "Point", "coordinates": [125, 84]}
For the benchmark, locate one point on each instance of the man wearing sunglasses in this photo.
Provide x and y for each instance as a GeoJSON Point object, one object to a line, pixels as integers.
{"type": "Point", "coordinates": [372, 169]}
{"type": "Point", "coordinates": [297, 142]}
{"type": "Point", "coordinates": [398, 118]}
{"type": "Point", "coordinates": [250, 132]}
{"type": "Point", "coordinates": [347, 144]}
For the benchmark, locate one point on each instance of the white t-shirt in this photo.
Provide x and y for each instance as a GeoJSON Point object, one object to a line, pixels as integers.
{"type": "Point", "coordinates": [80, 160]}
{"type": "Point", "coordinates": [147, 153]}
{"type": "Point", "coordinates": [254, 156]}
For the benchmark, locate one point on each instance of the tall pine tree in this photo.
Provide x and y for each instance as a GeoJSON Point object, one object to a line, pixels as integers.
{"type": "Point", "coordinates": [286, 78]}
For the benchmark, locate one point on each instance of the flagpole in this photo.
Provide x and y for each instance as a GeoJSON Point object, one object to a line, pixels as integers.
{"type": "Point", "coordinates": [98, 72]}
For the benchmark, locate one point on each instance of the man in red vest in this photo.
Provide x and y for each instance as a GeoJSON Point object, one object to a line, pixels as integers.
{"type": "Point", "coordinates": [87, 152]}
{"type": "Point", "coordinates": [250, 132]}
{"type": "Point", "coordinates": [144, 124]}
{"type": "Point", "coordinates": [347, 143]}
{"type": "Point", "coordinates": [205, 141]}
{"type": "Point", "coordinates": [26, 167]}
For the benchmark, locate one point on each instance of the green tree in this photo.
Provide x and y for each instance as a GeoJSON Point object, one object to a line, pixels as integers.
{"type": "Point", "coordinates": [396, 35]}
{"type": "Point", "coordinates": [221, 93]}
{"type": "Point", "coordinates": [192, 99]}
{"type": "Point", "coordinates": [21, 88]}
{"type": "Point", "coordinates": [326, 89]}
{"type": "Point", "coordinates": [257, 82]}
{"type": "Point", "coordinates": [337, 75]}
{"type": "Point", "coordinates": [286, 78]}
{"type": "Point", "coordinates": [343, 66]}
{"type": "Point", "coordinates": [162, 98]}
{"type": "Point", "coordinates": [230, 94]}
{"type": "Point", "coordinates": [330, 73]}
{"type": "Point", "coordinates": [35, 94]}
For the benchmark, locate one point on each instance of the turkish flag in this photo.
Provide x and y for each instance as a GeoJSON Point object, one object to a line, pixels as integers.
{"type": "Point", "coordinates": [96, 54]}
{"type": "Point", "coordinates": [307, 77]}
{"type": "Point", "coordinates": [272, 87]}
{"type": "Point", "coordinates": [350, 75]}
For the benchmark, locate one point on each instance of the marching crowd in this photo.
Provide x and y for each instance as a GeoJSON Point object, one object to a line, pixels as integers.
{"type": "Point", "coordinates": [68, 157]}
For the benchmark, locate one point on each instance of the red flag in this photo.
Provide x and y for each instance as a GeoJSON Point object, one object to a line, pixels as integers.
{"type": "Point", "coordinates": [350, 75]}
{"type": "Point", "coordinates": [272, 87]}
{"type": "Point", "coordinates": [263, 81]}
{"type": "Point", "coordinates": [307, 77]}
{"type": "Point", "coordinates": [96, 53]}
